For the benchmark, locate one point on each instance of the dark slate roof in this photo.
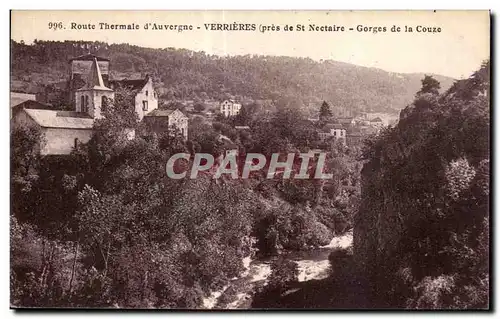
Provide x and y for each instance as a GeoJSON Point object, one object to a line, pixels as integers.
{"type": "Point", "coordinates": [32, 104]}
{"type": "Point", "coordinates": [88, 57]}
{"type": "Point", "coordinates": [94, 81]}
{"type": "Point", "coordinates": [134, 85]}
{"type": "Point", "coordinates": [159, 112]}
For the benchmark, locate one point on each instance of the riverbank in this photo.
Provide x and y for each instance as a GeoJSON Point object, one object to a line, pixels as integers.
{"type": "Point", "coordinates": [313, 265]}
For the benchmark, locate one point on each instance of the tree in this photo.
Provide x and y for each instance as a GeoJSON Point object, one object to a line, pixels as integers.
{"type": "Point", "coordinates": [424, 185]}
{"type": "Point", "coordinates": [26, 142]}
{"type": "Point", "coordinates": [244, 117]}
{"type": "Point", "coordinates": [199, 107]}
{"type": "Point", "coordinates": [185, 74]}
{"type": "Point", "coordinates": [429, 85]}
{"type": "Point", "coordinates": [325, 112]}
{"type": "Point", "coordinates": [283, 273]}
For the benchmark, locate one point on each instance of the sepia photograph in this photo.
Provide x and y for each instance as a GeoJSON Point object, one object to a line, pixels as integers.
{"type": "Point", "coordinates": [250, 160]}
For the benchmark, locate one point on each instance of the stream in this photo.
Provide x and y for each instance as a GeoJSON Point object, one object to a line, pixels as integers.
{"type": "Point", "coordinates": [312, 264]}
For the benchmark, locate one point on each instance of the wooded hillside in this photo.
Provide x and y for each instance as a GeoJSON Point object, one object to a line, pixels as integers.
{"type": "Point", "coordinates": [185, 74]}
{"type": "Point", "coordinates": [422, 230]}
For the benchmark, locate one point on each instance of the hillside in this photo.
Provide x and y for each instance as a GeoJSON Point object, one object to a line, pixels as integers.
{"type": "Point", "coordinates": [421, 233]}
{"type": "Point", "coordinates": [184, 74]}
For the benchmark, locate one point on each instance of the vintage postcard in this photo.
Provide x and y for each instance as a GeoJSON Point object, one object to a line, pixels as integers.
{"type": "Point", "coordinates": [250, 159]}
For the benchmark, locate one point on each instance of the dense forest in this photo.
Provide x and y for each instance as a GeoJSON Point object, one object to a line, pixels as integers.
{"type": "Point", "coordinates": [421, 235]}
{"type": "Point", "coordinates": [105, 227]}
{"type": "Point", "coordinates": [422, 227]}
{"type": "Point", "coordinates": [183, 74]}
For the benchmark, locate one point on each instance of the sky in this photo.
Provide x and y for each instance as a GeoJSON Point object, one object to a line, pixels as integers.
{"type": "Point", "coordinates": [456, 51]}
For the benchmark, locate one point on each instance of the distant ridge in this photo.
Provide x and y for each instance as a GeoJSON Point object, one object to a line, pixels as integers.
{"type": "Point", "coordinates": [183, 74]}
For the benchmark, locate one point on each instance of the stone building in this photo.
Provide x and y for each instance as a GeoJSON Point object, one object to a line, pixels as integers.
{"type": "Point", "coordinates": [89, 86]}
{"type": "Point", "coordinates": [160, 121]}
{"type": "Point", "coordinates": [79, 70]}
{"type": "Point", "coordinates": [230, 108]}
{"type": "Point", "coordinates": [337, 131]}
{"type": "Point", "coordinates": [145, 96]}
{"type": "Point", "coordinates": [93, 97]}
{"type": "Point", "coordinates": [63, 130]}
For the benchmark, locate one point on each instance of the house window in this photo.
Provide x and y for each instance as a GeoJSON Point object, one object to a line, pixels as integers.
{"type": "Point", "coordinates": [147, 93]}
{"type": "Point", "coordinates": [334, 133]}
{"type": "Point", "coordinates": [76, 143]}
{"type": "Point", "coordinates": [341, 133]}
{"type": "Point", "coordinates": [86, 104]}
{"type": "Point", "coordinates": [82, 103]}
{"type": "Point", "coordinates": [104, 103]}
{"type": "Point", "coordinates": [144, 105]}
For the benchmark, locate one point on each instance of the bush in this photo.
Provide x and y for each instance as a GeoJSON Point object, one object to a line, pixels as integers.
{"type": "Point", "coordinates": [38, 271]}
{"type": "Point", "coordinates": [433, 293]}
{"type": "Point", "coordinates": [283, 273]}
{"type": "Point", "coordinates": [291, 228]}
{"type": "Point", "coordinates": [319, 235]}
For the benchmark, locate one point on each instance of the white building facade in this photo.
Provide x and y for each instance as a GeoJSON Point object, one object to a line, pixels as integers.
{"type": "Point", "coordinates": [230, 108]}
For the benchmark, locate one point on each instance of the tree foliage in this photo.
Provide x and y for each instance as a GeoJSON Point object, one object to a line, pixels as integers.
{"type": "Point", "coordinates": [186, 75]}
{"type": "Point", "coordinates": [423, 191]}
{"type": "Point", "coordinates": [325, 112]}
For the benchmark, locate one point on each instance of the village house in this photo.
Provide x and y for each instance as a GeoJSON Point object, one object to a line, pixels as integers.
{"type": "Point", "coordinates": [145, 96]}
{"type": "Point", "coordinates": [167, 121]}
{"type": "Point", "coordinates": [63, 130]}
{"type": "Point", "coordinates": [346, 121]}
{"type": "Point", "coordinates": [229, 108]}
{"type": "Point", "coordinates": [336, 131]}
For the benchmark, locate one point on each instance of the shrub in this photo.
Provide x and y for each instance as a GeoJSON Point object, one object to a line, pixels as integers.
{"type": "Point", "coordinates": [283, 273]}
{"type": "Point", "coordinates": [319, 235]}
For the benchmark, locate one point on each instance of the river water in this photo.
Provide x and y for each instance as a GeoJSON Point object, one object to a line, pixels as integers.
{"type": "Point", "coordinates": [312, 264]}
